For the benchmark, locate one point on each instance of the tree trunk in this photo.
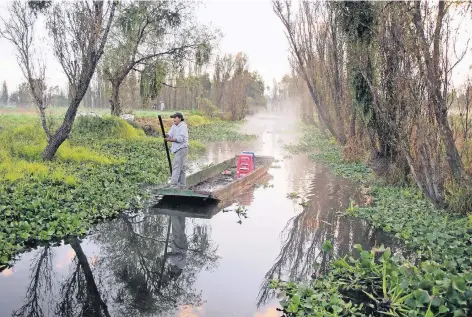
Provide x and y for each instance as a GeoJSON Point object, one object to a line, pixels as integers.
{"type": "Point", "coordinates": [352, 130]}
{"type": "Point", "coordinates": [433, 73]}
{"type": "Point", "coordinates": [115, 99]}
{"type": "Point", "coordinates": [42, 114]}
{"type": "Point", "coordinates": [174, 107]}
{"type": "Point", "coordinates": [97, 303]}
{"type": "Point", "coordinates": [321, 111]}
{"type": "Point", "coordinates": [338, 93]}
{"type": "Point", "coordinates": [55, 141]}
{"type": "Point", "coordinates": [452, 154]}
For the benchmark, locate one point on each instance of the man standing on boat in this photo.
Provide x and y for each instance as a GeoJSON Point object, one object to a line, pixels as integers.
{"type": "Point", "coordinates": [178, 135]}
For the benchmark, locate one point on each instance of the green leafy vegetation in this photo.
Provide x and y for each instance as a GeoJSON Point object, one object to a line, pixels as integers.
{"type": "Point", "coordinates": [96, 174]}
{"type": "Point", "coordinates": [293, 196]}
{"type": "Point", "coordinates": [329, 152]}
{"type": "Point", "coordinates": [376, 284]}
{"type": "Point", "coordinates": [239, 210]}
{"type": "Point", "coordinates": [433, 234]}
{"type": "Point", "coordinates": [220, 131]}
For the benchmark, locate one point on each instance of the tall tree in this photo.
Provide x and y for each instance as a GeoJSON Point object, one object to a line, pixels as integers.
{"type": "Point", "coordinates": [307, 31]}
{"type": "Point", "coordinates": [145, 33]}
{"type": "Point", "coordinates": [79, 32]}
{"type": "Point", "coordinates": [429, 52]}
{"type": "Point", "coordinates": [4, 94]}
{"type": "Point", "coordinates": [19, 30]}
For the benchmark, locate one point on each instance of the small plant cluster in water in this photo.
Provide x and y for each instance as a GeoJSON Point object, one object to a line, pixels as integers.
{"type": "Point", "coordinates": [240, 210]}
{"type": "Point", "coordinates": [301, 201]}
{"type": "Point", "coordinates": [293, 196]}
{"type": "Point", "coordinates": [378, 284]}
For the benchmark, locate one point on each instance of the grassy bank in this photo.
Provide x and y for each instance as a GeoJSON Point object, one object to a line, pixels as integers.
{"type": "Point", "coordinates": [96, 174]}
{"type": "Point", "coordinates": [439, 285]}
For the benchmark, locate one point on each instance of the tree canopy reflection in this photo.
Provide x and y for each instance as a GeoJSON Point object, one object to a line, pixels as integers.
{"type": "Point", "coordinates": [319, 221]}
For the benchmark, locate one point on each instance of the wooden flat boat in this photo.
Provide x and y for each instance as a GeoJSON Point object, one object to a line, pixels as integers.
{"type": "Point", "coordinates": [215, 183]}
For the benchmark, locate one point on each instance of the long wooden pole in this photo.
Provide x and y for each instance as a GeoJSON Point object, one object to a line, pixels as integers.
{"type": "Point", "coordinates": [165, 143]}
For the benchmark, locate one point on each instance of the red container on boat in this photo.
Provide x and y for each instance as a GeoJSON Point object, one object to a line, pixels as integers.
{"type": "Point", "coordinates": [245, 165]}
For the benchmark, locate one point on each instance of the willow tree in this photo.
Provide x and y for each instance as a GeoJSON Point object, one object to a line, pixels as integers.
{"type": "Point", "coordinates": [78, 32]}
{"type": "Point", "coordinates": [147, 32]}
{"type": "Point", "coordinates": [152, 78]}
{"type": "Point", "coordinates": [315, 52]}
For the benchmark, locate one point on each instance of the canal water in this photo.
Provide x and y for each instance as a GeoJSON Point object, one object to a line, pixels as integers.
{"type": "Point", "coordinates": [214, 267]}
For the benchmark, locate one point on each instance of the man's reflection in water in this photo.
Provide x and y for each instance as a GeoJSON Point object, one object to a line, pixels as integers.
{"type": "Point", "coordinates": [178, 246]}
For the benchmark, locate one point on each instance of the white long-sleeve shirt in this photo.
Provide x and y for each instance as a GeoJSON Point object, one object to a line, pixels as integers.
{"type": "Point", "coordinates": [179, 132]}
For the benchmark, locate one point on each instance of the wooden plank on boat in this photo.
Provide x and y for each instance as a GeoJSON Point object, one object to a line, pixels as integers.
{"type": "Point", "coordinates": [238, 184]}
{"type": "Point", "coordinates": [226, 185]}
{"type": "Point", "coordinates": [209, 172]}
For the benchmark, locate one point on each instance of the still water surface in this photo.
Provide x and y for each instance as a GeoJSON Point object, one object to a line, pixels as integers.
{"type": "Point", "coordinates": [216, 267]}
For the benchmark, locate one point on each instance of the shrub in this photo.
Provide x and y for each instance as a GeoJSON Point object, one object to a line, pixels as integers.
{"type": "Point", "coordinates": [458, 197]}
{"type": "Point", "coordinates": [26, 141]}
{"type": "Point", "coordinates": [80, 154]}
{"type": "Point", "coordinates": [225, 116]}
{"type": "Point", "coordinates": [20, 155]}
{"type": "Point", "coordinates": [4, 155]}
{"type": "Point", "coordinates": [196, 120]}
{"type": "Point", "coordinates": [195, 112]}
{"type": "Point", "coordinates": [207, 108]}
{"type": "Point", "coordinates": [91, 127]}
{"type": "Point", "coordinates": [124, 130]}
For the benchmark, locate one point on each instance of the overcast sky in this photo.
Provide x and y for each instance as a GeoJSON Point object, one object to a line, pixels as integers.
{"type": "Point", "coordinates": [248, 26]}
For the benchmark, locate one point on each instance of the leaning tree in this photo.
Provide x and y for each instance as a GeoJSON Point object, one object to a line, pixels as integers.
{"type": "Point", "coordinates": [78, 32]}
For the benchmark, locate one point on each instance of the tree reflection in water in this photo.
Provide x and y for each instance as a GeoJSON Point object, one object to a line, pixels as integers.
{"type": "Point", "coordinates": [126, 277]}
{"type": "Point", "coordinates": [320, 220]}
{"type": "Point", "coordinates": [40, 283]}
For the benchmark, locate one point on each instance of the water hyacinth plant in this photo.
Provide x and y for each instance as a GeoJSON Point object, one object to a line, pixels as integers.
{"type": "Point", "coordinates": [378, 284]}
